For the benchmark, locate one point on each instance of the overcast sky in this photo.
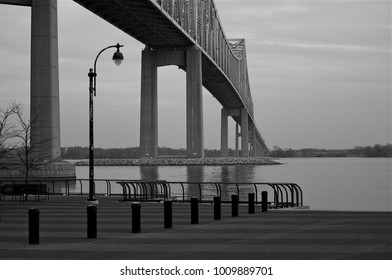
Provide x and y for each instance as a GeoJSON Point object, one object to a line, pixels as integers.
{"type": "Point", "coordinates": [320, 74]}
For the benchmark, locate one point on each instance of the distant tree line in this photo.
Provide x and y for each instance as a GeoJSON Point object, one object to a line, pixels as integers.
{"type": "Point", "coordinates": [366, 151]}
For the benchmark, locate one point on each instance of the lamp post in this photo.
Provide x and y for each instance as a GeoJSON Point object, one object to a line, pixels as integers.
{"type": "Point", "coordinates": [117, 58]}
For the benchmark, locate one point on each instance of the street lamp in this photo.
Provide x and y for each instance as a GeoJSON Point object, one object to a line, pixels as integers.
{"type": "Point", "coordinates": [117, 58]}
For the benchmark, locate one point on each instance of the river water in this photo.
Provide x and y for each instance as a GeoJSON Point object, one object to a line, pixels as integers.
{"type": "Point", "coordinates": [346, 184]}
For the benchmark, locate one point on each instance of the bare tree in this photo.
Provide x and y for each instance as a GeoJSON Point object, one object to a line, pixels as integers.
{"type": "Point", "coordinates": [28, 155]}
{"type": "Point", "coordinates": [7, 133]}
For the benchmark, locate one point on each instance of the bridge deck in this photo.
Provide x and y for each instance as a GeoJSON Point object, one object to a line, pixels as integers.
{"type": "Point", "coordinates": [149, 24]}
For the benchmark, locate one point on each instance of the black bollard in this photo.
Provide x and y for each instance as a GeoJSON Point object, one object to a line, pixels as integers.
{"type": "Point", "coordinates": [264, 201]}
{"type": "Point", "coordinates": [234, 205]}
{"type": "Point", "coordinates": [251, 203]}
{"type": "Point", "coordinates": [33, 226]}
{"type": "Point", "coordinates": [194, 210]}
{"type": "Point", "coordinates": [136, 220]}
{"type": "Point", "coordinates": [91, 221]}
{"type": "Point", "coordinates": [217, 207]}
{"type": "Point", "coordinates": [168, 214]}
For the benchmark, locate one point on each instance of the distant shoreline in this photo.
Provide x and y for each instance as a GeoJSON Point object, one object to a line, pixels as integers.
{"type": "Point", "coordinates": [180, 162]}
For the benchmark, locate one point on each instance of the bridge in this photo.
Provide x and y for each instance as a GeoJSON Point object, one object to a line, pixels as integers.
{"type": "Point", "coordinates": [186, 33]}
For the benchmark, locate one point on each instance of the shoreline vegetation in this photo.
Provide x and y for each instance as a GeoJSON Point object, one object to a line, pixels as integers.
{"type": "Point", "coordinates": [367, 151]}
{"type": "Point", "coordinates": [181, 162]}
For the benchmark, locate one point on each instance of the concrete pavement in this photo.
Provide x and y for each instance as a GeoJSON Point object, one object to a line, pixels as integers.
{"type": "Point", "coordinates": [275, 235]}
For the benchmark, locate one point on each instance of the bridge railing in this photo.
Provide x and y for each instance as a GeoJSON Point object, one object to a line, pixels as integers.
{"type": "Point", "coordinates": [281, 194]}
{"type": "Point", "coordinates": [200, 20]}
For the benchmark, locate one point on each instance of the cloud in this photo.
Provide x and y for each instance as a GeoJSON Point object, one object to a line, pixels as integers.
{"type": "Point", "coordinates": [326, 47]}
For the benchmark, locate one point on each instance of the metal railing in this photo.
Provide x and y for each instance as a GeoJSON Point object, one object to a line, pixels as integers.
{"type": "Point", "coordinates": [283, 194]}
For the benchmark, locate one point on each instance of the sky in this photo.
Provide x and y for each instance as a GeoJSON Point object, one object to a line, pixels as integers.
{"type": "Point", "coordinates": [319, 70]}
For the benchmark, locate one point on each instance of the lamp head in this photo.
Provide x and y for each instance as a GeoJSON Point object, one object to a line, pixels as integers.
{"type": "Point", "coordinates": [118, 56]}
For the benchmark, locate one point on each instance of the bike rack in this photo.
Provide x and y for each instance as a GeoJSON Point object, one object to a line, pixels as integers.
{"type": "Point", "coordinates": [284, 194]}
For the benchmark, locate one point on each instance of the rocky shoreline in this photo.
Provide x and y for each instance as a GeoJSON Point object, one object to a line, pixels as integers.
{"type": "Point", "coordinates": [180, 162]}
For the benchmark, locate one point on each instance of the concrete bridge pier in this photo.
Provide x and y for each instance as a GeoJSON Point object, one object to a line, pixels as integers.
{"type": "Point", "coordinates": [224, 133]}
{"type": "Point", "coordinates": [44, 91]}
{"type": "Point", "coordinates": [244, 133]}
{"type": "Point", "coordinates": [237, 135]}
{"type": "Point", "coordinates": [247, 134]}
{"type": "Point", "coordinates": [149, 105]}
{"type": "Point", "coordinates": [190, 60]}
{"type": "Point", "coordinates": [44, 78]}
{"type": "Point", "coordinates": [194, 104]}
{"type": "Point", "coordinates": [252, 130]}
{"type": "Point", "coordinates": [259, 150]}
{"type": "Point", "coordinates": [44, 106]}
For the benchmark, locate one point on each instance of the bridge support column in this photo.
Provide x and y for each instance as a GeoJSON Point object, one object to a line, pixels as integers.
{"type": "Point", "coordinates": [237, 135]}
{"type": "Point", "coordinates": [253, 151]}
{"type": "Point", "coordinates": [194, 104]}
{"type": "Point", "coordinates": [224, 133]}
{"type": "Point", "coordinates": [259, 150]}
{"type": "Point", "coordinates": [149, 106]}
{"type": "Point", "coordinates": [244, 133]}
{"type": "Point", "coordinates": [44, 106]}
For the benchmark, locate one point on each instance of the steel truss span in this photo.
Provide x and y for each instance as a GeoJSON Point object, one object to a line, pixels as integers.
{"type": "Point", "coordinates": [181, 24]}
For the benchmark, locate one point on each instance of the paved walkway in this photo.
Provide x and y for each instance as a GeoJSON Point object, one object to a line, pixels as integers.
{"type": "Point", "coordinates": [278, 234]}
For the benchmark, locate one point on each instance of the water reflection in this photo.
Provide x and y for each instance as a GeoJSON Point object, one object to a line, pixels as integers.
{"type": "Point", "coordinates": [194, 174]}
{"type": "Point", "coordinates": [237, 173]}
{"type": "Point", "coordinates": [149, 173]}
{"type": "Point", "coordinates": [218, 174]}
